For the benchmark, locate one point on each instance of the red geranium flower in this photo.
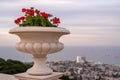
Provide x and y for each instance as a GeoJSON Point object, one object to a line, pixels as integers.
{"type": "Point", "coordinates": [29, 12]}
{"type": "Point", "coordinates": [16, 21]}
{"type": "Point", "coordinates": [56, 20]}
{"type": "Point", "coordinates": [44, 14]}
{"type": "Point", "coordinates": [37, 11]}
{"type": "Point", "coordinates": [19, 19]}
{"type": "Point", "coordinates": [22, 18]}
{"type": "Point", "coordinates": [23, 9]}
{"type": "Point", "coordinates": [32, 12]}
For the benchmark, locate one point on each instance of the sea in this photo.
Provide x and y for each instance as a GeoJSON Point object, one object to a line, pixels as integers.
{"type": "Point", "coordinates": [104, 54]}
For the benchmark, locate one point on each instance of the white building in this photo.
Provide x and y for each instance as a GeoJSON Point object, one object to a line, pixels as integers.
{"type": "Point", "coordinates": [80, 59]}
{"type": "Point", "coordinates": [98, 62]}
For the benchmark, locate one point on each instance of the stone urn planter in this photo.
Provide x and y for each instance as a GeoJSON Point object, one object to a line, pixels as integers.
{"type": "Point", "coordinates": [39, 41]}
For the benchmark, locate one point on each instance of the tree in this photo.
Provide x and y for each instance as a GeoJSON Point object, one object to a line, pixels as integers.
{"type": "Point", "coordinates": [12, 66]}
{"type": "Point", "coordinates": [64, 77]}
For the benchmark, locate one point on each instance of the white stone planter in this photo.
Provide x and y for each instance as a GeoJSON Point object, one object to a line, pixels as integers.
{"type": "Point", "coordinates": [39, 41]}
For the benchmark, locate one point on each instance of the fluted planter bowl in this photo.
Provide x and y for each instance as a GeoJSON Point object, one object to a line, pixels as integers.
{"type": "Point", "coordinates": [39, 41]}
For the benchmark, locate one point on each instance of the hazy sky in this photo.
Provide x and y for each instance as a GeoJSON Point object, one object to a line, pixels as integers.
{"type": "Point", "coordinates": [91, 22]}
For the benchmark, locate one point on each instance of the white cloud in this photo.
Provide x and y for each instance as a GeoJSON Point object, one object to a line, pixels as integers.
{"type": "Point", "coordinates": [92, 36]}
{"type": "Point", "coordinates": [4, 31]}
{"type": "Point", "coordinates": [8, 40]}
{"type": "Point", "coordinates": [91, 20]}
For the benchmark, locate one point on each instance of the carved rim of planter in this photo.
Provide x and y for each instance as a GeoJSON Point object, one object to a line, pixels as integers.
{"type": "Point", "coordinates": [39, 29]}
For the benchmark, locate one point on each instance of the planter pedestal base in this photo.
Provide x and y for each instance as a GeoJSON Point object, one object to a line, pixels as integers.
{"type": "Point", "coordinates": [39, 68]}
{"type": "Point", "coordinates": [25, 76]}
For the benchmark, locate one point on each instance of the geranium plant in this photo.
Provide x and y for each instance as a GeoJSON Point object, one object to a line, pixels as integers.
{"type": "Point", "coordinates": [34, 17]}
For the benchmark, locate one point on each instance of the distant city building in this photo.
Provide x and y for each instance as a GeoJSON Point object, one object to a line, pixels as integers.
{"type": "Point", "coordinates": [81, 69]}
{"type": "Point", "coordinates": [80, 59]}
{"type": "Point", "coordinates": [98, 62]}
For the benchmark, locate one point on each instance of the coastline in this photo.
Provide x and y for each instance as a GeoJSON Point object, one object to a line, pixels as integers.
{"type": "Point", "coordinates": [107, 55]}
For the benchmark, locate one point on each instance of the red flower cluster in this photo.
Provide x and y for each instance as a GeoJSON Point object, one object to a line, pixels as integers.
{"type": "Point", "coordinates": [37, 11]}
{"type": "Point", "coordinates": [55, 20]}
{"type": "Point", "coordinates": [18, 20]}
{"type": "Point", "coordinates": [33, 12]}
{"type": "Point", "coordinates": [28, 11]}
{"type": "Point", "coordinates": [44, 14]}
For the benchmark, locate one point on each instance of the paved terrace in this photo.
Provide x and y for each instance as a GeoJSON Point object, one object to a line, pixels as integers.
{"type": "Point", "coordinates": [7, 77]}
